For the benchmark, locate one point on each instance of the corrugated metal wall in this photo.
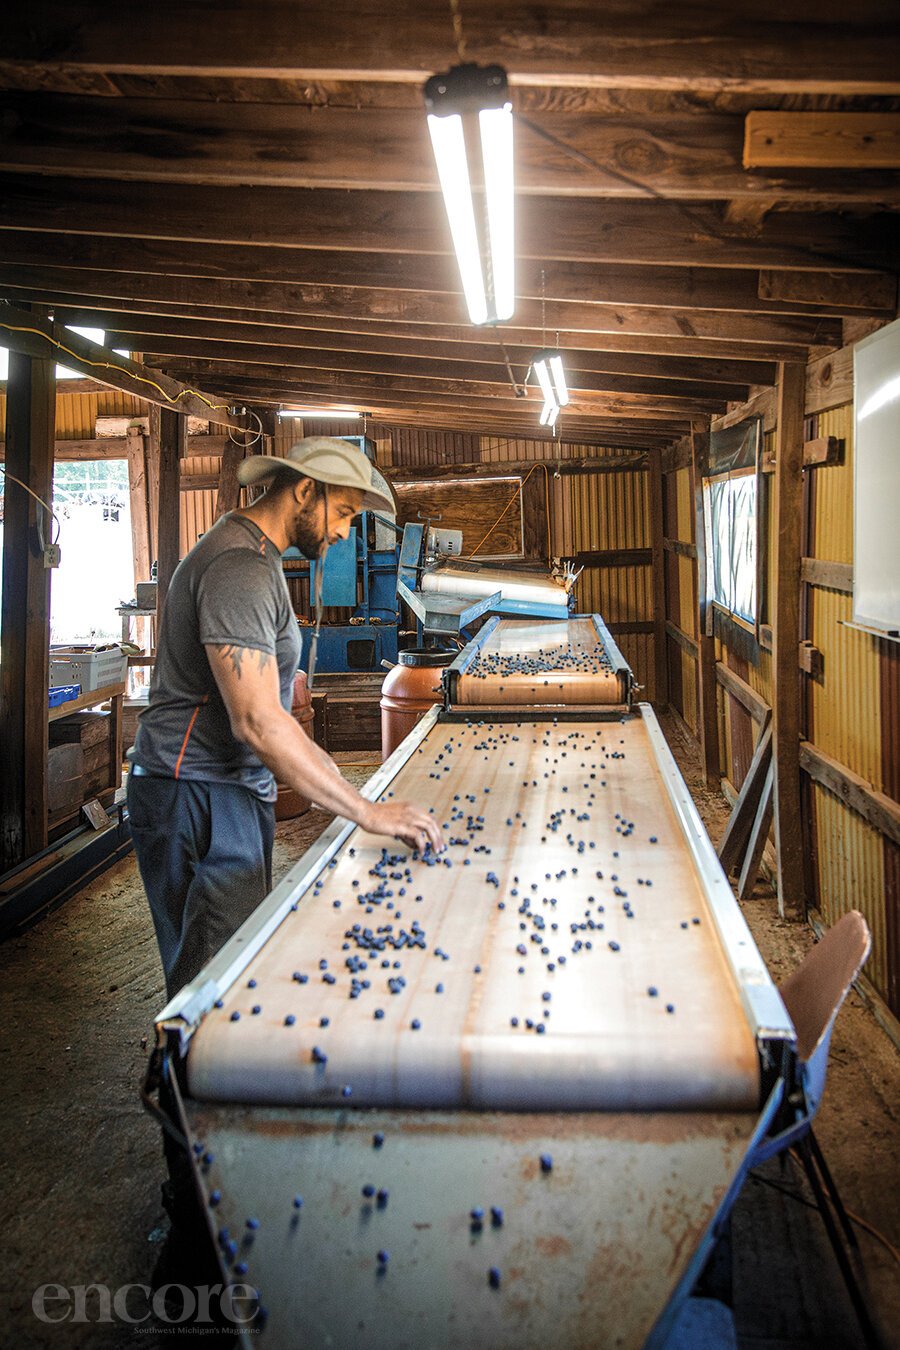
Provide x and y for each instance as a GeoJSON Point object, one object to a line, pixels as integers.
{"type": "Point", "coordinates": [851, 712]}
{"type": "Point", "coordinates": [845, 721]}
{"type": "Point", "coordinates": [76, 413]}
{"type": "Point", "coordinates": [848, 717]}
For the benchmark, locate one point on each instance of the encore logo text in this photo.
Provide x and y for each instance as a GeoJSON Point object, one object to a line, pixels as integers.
{"type": "Point", "coordinates": [176, 1304]}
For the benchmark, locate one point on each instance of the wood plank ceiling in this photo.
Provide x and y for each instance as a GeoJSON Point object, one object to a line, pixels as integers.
{"type": "Point", "coordinates": [245, 193]}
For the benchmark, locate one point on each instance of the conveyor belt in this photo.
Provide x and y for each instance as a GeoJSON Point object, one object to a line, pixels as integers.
{"type": "Point", "coordinates": [522, 662]}
{"type": "Point", "coordinates": [474, 579]}
{"type": "Point", "coordinates": [570, 898]}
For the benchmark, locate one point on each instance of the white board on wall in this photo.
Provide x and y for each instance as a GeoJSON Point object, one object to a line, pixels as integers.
{"type": "Point", "coordinates": [876, 506]}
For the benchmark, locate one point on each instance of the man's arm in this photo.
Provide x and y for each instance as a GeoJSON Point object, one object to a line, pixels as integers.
{"type": "Point", "coordinates": [249, 685]}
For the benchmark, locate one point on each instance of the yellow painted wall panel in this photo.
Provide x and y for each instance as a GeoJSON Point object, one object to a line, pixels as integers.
{"type": "Point", "coordinates": [846, 712]}
{"type": "Point", "coordinates": [689, 690]}
{"type": "Point", "coordinates": [834, 491]}
{"type": "Point", "coordinates": [684, 506]}
{"type": "Point", "coordinates": [687, 608]}
{"type": "Point", "coordinates": [851, 874]}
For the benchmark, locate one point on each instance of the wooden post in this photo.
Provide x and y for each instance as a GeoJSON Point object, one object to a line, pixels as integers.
{"type": "Point", "coordinates": [708, 715]}
{"type": "Point", "coordinates": [140, 515]}
{"type": "Point", "coordinates": [786, 633]}
{"type": "Point", "coordinates": [661, 665]}
{"type": "Point", "coordinates": [25, 608]}
{"type": "Point", "coordinates": [229, 493]}
{"type": "Point", "coordinates": [172, 431]}
{"type": "Point", "coordinates": [151, 461]}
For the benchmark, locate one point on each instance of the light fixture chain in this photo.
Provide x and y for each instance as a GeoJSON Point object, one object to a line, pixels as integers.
{"type": "Point", "coordinates": [543, 308]}
{"type": "Point", "coordinates": [456, 15]}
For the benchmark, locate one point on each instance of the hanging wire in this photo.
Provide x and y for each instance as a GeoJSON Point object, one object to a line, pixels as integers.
{"type": "Point", "coordinates": [49, 509]}
{"type": "Point", "coordinates": [257, 436]}
{"type": "Point", "coordinates": [518, 390]}
{"type": "Point", "coordinates": [543, 308]}
{"type": "Point", "coordinates": [699, 222]}
{"type": "Point", "coordinates": [110, 365]}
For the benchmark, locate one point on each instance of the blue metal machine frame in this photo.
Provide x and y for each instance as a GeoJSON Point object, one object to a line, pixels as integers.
{"type": "Point", "coordinates": [363, 579]}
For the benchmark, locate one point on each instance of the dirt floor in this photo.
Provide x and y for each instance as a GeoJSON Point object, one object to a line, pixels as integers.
{"type": "Point", "coordinates": [80, 1162]}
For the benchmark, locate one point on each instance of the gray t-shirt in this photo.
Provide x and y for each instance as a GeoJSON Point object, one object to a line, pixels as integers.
{"type": "Point", "coordinates": [229, 590]}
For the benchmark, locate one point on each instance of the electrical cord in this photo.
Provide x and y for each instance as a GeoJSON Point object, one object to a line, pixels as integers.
{"type": "Point", "coordinates": [810, 1204]}
{"type": "Point", "coordinates": [109, 365]}
{"type": "Point", "coordinates": [517, 493]}
{"type": "Point", "coordinates": [49, 509]}
{"type": "Point", "coordinates": [257, 436]}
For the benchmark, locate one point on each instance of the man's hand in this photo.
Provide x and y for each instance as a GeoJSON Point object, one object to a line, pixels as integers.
{"type": "Point", "coordinates": [248, 683]}
{"type": "Point", "coordinates": [403, 820]}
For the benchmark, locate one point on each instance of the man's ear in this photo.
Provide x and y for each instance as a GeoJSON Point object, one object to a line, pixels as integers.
{"type": "Point", "coordinates": [303, 491]}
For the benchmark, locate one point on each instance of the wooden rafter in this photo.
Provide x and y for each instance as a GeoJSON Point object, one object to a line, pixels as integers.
{"type": "Point", "coordinates": [748, 46]}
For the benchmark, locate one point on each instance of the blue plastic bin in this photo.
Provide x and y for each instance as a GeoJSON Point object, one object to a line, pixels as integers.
{"type": "Point", "coordinates": [63, 693]}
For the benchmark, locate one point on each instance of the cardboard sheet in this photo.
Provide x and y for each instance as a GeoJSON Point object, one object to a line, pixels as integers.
{"type": "Point", "coordinates": [567, 898]}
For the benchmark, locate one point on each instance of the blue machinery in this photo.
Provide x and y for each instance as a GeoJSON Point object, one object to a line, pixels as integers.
{"type": "Point", "coordinates": [363, 578]}
{"type": "Point", "coordinates": [370, 574]}
{"type": "Point", "coordinates": [447, 595]}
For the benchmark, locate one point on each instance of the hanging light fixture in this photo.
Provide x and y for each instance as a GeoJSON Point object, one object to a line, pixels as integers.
{"type": "Point", "coordinates": [485, 252]}
{"type": "Point", "coordinates": [550, 375]}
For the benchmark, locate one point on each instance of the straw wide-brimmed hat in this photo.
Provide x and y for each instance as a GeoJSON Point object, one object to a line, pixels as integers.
{"type": "Point", "coordinates": [326, 459]}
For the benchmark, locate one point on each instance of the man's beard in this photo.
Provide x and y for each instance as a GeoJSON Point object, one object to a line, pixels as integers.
{"type": "Point", "coordinates": [306, 536]}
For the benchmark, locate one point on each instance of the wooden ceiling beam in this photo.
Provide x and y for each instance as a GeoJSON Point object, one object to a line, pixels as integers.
{"type": "Point", "coordinates": [271, 145]}
{"type": "Point", "coordinates": [486, 371]}
{"type": "Point", "coordinates": [221, 320]}
{"type": "Point", "coordinates": [742, 44]}
{"type": "Point", "coordinates": [661, 233]}
{"type": "Point", "coordinates": [159, 331]}
{"type": "Point", "coordinates": [833, 293]}
{"type": "Point", "coordinates": [357, 389]}
{"type": "Point", "coordinates": [362, 303]}
{"type": "Point", "coordinates": [28, 333]}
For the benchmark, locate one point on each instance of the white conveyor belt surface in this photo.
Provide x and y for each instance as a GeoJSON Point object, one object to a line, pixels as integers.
{"type": "Point", "coordinates": [562, 955]}
{"type": "Point", "coordinates": [536, 662]}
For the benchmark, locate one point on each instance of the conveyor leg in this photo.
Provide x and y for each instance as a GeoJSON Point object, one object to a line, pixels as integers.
{"type": "Point", "coordinates": [808, 1158]}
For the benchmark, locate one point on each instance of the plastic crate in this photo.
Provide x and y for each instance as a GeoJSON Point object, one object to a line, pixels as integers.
{"type": "Point", "coordinates": [63, 693]}
{"type": "Point", "coordinates": [87, 666]}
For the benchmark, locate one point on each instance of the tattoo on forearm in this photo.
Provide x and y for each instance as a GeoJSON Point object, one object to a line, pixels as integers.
{"type": "Point", "coordinates": [235, 655]}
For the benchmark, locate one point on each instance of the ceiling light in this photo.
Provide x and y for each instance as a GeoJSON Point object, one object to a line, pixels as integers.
{"type": "Point", "coordinates": [485, 254]}
{"type": "Point", "coordinates": [333, 414]}
{"type": "Point", "coordinates": [550, 375]}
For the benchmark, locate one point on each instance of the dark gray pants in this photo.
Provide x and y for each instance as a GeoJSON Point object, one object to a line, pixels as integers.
{"type": "Point", "coordinates": [205, 856]}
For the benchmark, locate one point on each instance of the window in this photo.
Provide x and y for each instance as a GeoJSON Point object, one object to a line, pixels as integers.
{"type": "Point", "coordinates": [731, 514]}
{"type": "Point", "coordinates": [91, 501]}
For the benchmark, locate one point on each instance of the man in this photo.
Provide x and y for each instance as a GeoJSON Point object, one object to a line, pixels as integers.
{"type": "Point", "coordinates": [218, 725]}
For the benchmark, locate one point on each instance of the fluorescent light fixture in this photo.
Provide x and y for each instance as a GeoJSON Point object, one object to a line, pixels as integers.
{"type": "Point", "coordinates": [550, 375]}
{"type": "Point", "coordinates": [332, 414]}
{"type": "Point", "coordinates": [486, 258]}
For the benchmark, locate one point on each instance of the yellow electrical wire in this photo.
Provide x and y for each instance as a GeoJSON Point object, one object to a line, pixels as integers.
{"type": "Point", "coordinates": [107, 365]}
{"type": "Point", "coordinates": [518, 493]}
